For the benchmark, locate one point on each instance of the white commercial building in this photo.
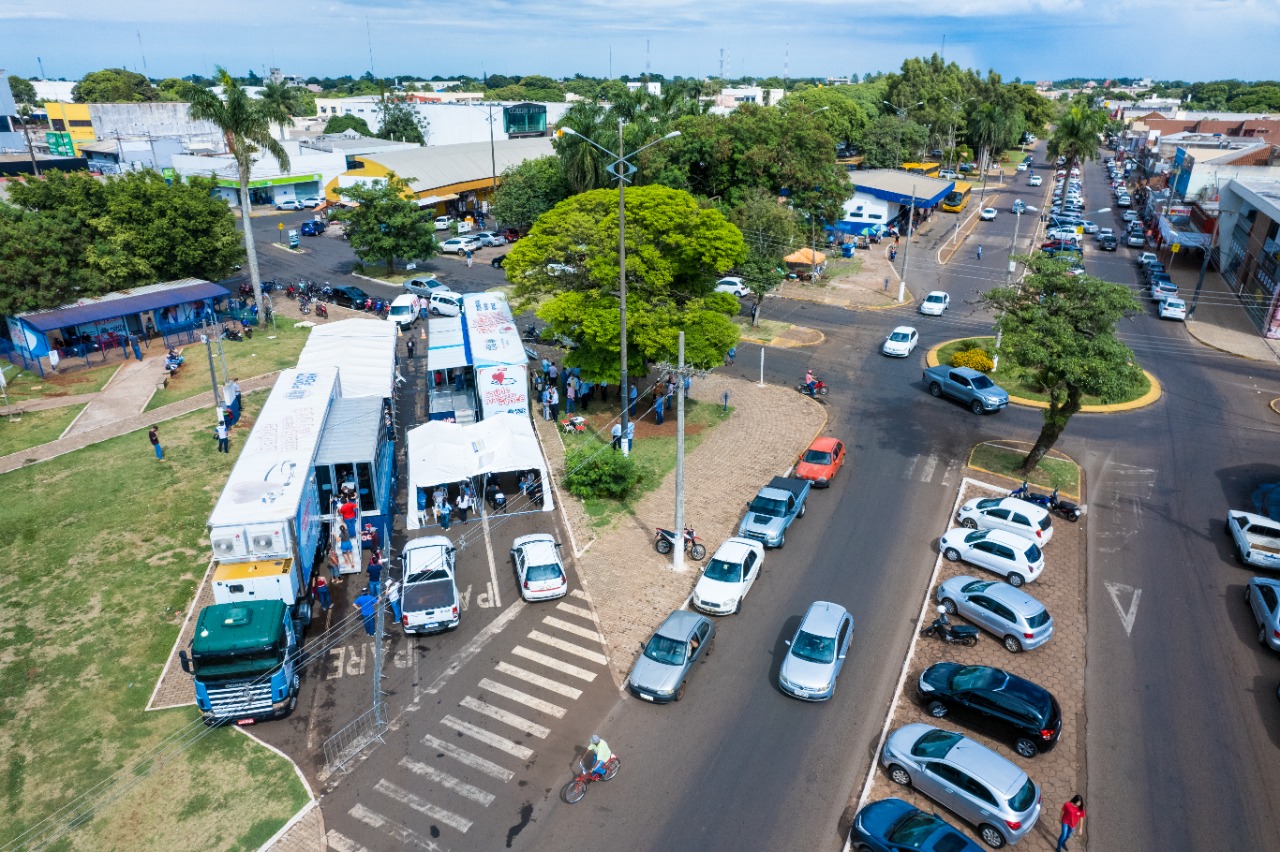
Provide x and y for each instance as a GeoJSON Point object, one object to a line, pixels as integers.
{"type": "Point", "coordinates": [310, 171]}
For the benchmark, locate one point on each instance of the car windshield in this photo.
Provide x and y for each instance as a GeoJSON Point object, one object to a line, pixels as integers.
{"type": "Point", "coordinates": [1024, 798]}
{"type": "Point", "coordinates": [1040, 619]}
{"type": "Point", "coordinates": [900, 337]}
{"type": "Point", "coordinates": [989, 503]}
{"type": "Point", "coordinates": [664, 650]}
{"type": "Point", "coordinates": [935, 297]}
{"type": "Point", "coordinates": [401, 310]}
{"type": "Point", "coordinates": [815, 649]}
{"type": "Point", "coordinates": [724, 572]}
{"type": "Point", "coordinates": [935, 744]}
{"type": "Point", "coordinates": [817, 457]}
{"type": "Point", "coordinates": [981, 383]}
{"type": "Point", "coordinates": [976, 535]}
{"type": "Point", "coordinates": [977, 677]}
{"type": "Point", "coordinates": [429, 574]}
{"type": "Point", "coordinates": [543, 572]}
{"type": "Point", "coordinates": [766, 506]}
{"type": "Point", "coordinates": [913, 829]}
{"type": "Point", "coordinates": [1033, 553]}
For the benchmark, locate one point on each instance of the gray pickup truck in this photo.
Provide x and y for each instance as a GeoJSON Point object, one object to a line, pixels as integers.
{"type": "Point", "coordinates": [773, 509]}
{"type": "Point", "coordinates": [429, 595]}
{"type": "Point", "coordinates": [969, 386]}
{"type": "Point", "coordinates": [1256, 539]}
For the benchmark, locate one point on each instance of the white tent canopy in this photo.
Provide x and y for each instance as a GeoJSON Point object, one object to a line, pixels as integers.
{"type": "Point", "coordinates": [441, 453]}
{"type": "Point", "coordinates": [363, 350]}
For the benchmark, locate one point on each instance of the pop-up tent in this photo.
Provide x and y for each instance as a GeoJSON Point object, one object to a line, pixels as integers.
{"type": "Point", "coordinates": [442, 453]}
{"type": "Point", "coordinates": [806, 256]}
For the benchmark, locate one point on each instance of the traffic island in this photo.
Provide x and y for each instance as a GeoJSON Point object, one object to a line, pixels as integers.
{"type": "Point", "coordinates": [1058, 666]}
{"type": "Point", "coordinates": [782, 335]}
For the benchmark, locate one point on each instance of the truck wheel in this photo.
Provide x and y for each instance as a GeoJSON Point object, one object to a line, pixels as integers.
{"type": "Point", "coordinates": [935, 389]}
{"type": "Point", "coordinates": [975, 407]}
{"type": "Point", "coordinates": [804, 507]}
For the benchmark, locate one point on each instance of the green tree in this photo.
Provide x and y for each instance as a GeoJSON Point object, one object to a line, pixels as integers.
{"type": "Point", "coordinates": [1077, 134]}
{"type": "Point", "coordinates": [245, 123]}
{"type": "Point", "coordinates": [41, 265]}
{"type": "Point", "coordinates": [528, 190]}
{"type": "Point", "coordinates": [23, 91]}
{"type": "Point", "coordinates": [844, 119]}
{"type": "Point", "coordinates": [401, 122]}
{"type": "Point", "coordinates": [281, 103]}
{"type": "Point", "coordinates": [675, 250]}
{"type": "Point", "coordinates": [1061, 330]}
{"type": "Point", "coordinates": [771, 231]}
{"type": "Point", "coordinates": [171, 89]}
{"type": "Point", "coordinates": [386, 224]}
{"type": "Point", "coordinates": [889, 139]}
{"type": "Point", "coordinates": [113, 86]}
{"type": "Point", "coordinates": [583, 164]}
{"type": "Point", "coordinates": [343, 123]}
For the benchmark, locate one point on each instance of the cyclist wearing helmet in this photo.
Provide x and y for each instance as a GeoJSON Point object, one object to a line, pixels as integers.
{"type": "Point", "coordinates": [599, 749]}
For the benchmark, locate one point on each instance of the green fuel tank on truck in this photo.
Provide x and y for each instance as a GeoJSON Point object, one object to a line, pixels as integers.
{"type": "Point", "coordinates": [244, 661]}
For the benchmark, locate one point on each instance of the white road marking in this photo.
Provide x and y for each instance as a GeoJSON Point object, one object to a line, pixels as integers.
{"type": "Point", "coordinates": [553, 663]}
{"type": "Point", "coordinates": [480, 734]}
{"type": "Point", "coordinates": [1126, 618]}
{"type": "Point", "coordinates": [404, 835]}
{"type": "Point", "coordinates": [466, 758]}
{"type": "Point", "coordinates": [493, 568]}
{"type": "Point", "coordinates": [911, 467]}
{"type": "Point", "coordinates": [568, 647]}
{"type": "Point", "coordinates": [522, 698]}
{"type": "Point", "coordinates": [584, 632]}
{"type": "Point", "coordinates": [506, 717]}
{"type": "Point", "coordinates": [463, 656]}
{"type": "Point", "coordinates": [573, 610]}
{"type": "Point", "coordinates": [342, 843]}
{"type": "Point", "coordinates": [422, 806]}
{"type": "Point", "coordinates": [930, 464]}
{"type": "Point", "coordinates": [447, 781]}
{"type": "Point", "coordinates": [538, 680]}
{"type": "Point", "coordinates": [948, 477]}
{"type": "Point", "coordinates": [580, 595]}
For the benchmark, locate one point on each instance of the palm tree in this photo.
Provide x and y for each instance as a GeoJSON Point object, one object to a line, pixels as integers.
{"type": "Point", "coordinates": [584, 166]}
{"type": "Point", "coordinates": [282, 101]}
{"type": "Point", "coordinates": [245, 123]}
{"type": "Point", "coordinates": [1077, 134]}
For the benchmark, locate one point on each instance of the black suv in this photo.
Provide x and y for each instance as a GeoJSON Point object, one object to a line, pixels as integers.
{"type": "Point", "coordinates": [350, 297]}
{"type": "Point", "coordinates": [992, 698]}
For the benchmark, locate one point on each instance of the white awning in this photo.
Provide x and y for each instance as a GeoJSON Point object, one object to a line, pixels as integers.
{"type": "Point", "coordinates": [435, 199]}
{"type": "Point", "coordinates": [446, 344]}
{"type": "Point", "coordinates": [363, 350]}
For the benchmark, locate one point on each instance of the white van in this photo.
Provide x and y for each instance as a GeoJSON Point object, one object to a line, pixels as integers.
{"type": "Point", "coordinates": [445, 303]}
{"type": "Point", "coordinates": [404, 311]}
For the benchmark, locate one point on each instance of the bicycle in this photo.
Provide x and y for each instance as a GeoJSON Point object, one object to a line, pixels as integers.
{"type": "Point", "coordinates": [577, 788]}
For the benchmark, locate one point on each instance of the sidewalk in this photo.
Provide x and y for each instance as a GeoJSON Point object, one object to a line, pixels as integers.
{"type": "Point", "coordinates": [1221, 320]}
{"type": "Point", "coordinates": [126, 394]}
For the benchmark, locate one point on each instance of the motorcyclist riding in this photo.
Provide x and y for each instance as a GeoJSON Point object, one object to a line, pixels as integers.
{"type": "Point", "coordinates": [599, 749]}
{"type": "Point", "coordinates": [810, 382]}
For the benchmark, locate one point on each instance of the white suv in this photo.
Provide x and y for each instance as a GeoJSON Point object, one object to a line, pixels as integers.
{"type": "Point", "coordinates": [1019, 517]}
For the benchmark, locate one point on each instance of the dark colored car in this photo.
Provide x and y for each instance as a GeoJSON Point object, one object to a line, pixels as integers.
{"type": "Point", "coordinates": [312, 228]}
{"type": "Point", "coordinates": [350, 297]}
{"type": "Point", "coordinates": [1067, 249]}
{"type": "Point", "coordinates": [511, 234]}
{"type": "Point", "coordinates": [497, 262]}
{"type": "Point", "coordinates": [1108, 243]}
{"type": "Point", "coordinates": [892, 825]}
{"type": "Point", "coordinates": [991, 698]}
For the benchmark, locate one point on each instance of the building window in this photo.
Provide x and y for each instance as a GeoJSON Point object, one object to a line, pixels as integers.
{"type": "Point", "coordinates": [57, 124]}
{"type": "Point", "coordinates": [75, 123]}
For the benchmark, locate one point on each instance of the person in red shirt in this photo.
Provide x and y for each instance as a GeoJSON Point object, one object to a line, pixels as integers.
{"type": "Point", "coordinates": [1072, 816]}
{"type": "Point", "coordinates": [348, 512]}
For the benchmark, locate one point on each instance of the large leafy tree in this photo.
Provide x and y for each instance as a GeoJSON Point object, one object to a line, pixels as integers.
{"type": "Point", "coordinates": [401, 122]}
{"type": "Point", "coordinates": [1061, 330]}
{"type": "Point", "coordinates": [529, 190]}
{"type": "Point", "coordinates": [113, 85]}
{"type": "Point", "coordinates": [386, 224]}
{"type": "Point", "coordinates": [39, 264]}
{"type": "Point", "coordinates": [343, 123]}
{"type": "Point", "coordinates": [23, 91]}
{"type": "Point", "coordinates": [245, 123]}
{"type": "Point", "coordinates": [771, 231]}
{"type": "Point", "coordinates": [675, 250]}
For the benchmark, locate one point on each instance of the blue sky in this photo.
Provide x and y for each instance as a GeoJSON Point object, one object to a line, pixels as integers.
{"type": "Point", "coordinates": [1030, 39]}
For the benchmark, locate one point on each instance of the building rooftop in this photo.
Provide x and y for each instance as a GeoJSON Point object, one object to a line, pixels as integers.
{"type": "Point", "coordinates": [445, 165]}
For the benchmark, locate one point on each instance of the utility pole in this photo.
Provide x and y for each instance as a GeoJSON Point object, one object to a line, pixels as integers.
{"type": "Point", "coordinates": [906, 251]}
{"type": "Point", "coordinates": [680, 372]}
{"type": "Point", "coordinates": [1204, 265]}
{"type": "Point", "coordinates": [622, 291]}
{"type": "Point", "coordinates": [213, 376]}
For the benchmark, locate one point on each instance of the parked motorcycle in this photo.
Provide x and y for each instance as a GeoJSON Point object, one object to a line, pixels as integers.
{"type": "Point", "coordinates": [819, 388]}
{"type": "Point", "coordinates": [322, 310]}
{"type": "Point", "coordinates": [291, 291]}
{"type": "Point", "coordinates": [666, 539]}
{"type": "Point", "coordinates": [952, 634]}
{"type": "Point", "coordinates": [1062, 508]}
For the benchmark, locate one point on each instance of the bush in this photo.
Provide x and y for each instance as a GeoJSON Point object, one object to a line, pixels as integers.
{"type": "Point", "coordinates": [598, 471]}
{"type": "Point", "coordinates": [969, 345]}
{"type": "Point", "coordinates": [976, 359]}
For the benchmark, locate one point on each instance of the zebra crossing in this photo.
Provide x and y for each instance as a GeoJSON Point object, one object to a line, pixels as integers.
{"type": "Point", "coordinates": [931, 468]}
{"type": "Point", "coordinates": [476, 748]}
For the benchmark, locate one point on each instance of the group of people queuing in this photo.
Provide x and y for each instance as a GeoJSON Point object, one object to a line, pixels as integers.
{"type": "Point", "coordinates": [446, 511]}
{"type": "Point", "coordinates": [558, 385]}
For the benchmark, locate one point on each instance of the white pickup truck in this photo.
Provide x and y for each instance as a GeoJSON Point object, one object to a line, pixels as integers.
{"type": "Point", "coordinates": [429, 596]}
{"type": "Point", "coordinates": [1257, 539]}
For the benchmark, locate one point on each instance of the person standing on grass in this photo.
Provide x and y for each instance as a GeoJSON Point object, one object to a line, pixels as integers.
{"type": "Point", "coordinates": [154, 437]}
{"type": "Point", "coordinates": [570, 395]}
{"type": "Point", "coordinates": [322, 592]}
{"type": "Point", "coordinates": [633, 394]}
{"type": "Point", "coordinates": [617, 436]}
{"type": "Point", "coordinates": [555, 402]}
{"type": "Point", "coordinates": [659, 405]}
{"type": "Point", "coordinates": [1072, 818]}
{"type": "Point", "coordinates": [220, 432]}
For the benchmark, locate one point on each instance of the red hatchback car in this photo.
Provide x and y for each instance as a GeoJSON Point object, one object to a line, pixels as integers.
{"type": "Point", "coordinates": [511, 234]}
{"type": "Point", "coordinates": [820, 462]}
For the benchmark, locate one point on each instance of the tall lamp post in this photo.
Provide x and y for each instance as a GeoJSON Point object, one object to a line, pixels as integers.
{"type": "Point", "coordinates": [1013, 246]}
{"type": "Point", "coordinates": [623, 169]}
{"type": "Point", "coordinates": [902, 118]}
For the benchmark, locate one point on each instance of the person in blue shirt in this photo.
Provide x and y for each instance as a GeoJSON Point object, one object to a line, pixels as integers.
{"type": "Point", "coordinates": [366, 603]}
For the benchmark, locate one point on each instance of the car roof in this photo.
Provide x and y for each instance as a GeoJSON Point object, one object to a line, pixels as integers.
{"type": "Point", "coordinates": [1023, 506]}
{"type": "Point", "coordinates": [734, 550]}
{"type": "Point", "coordinates": [933, 293]}
{"type": "Point", "coordinates": [1015, 599]}
{"type": "Point", "coordinates": [988, 766]}
{"type": "Point", "coordinates": [822, 618]}
{"type": "Point", "coordinates": [824, 442]}
{"type": "Point", "coordinates": [905, 329]}
{"type": "Point", "coordinates": [679, 625]}
{"type": "Point", "coordinates": [1012, 539]}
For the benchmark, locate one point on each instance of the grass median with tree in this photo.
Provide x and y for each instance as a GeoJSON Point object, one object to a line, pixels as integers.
{"type": "Point", "coordinates": [104, 551]}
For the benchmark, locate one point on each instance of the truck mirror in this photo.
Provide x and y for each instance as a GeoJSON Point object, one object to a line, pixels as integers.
{"type": "Point", "coordinates": [186, 662]}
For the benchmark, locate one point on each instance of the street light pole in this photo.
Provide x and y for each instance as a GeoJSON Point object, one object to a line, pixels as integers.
{"type": "Point", "coordinates": [1013, 247]}
{"type": "Point", "coordinates": [906, 252]}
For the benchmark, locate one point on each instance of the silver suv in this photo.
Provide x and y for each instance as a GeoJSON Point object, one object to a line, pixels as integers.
{"type": "Point", "coordinates": [967, 778]}
{"type": "Point", "coordinates": [1020, 621]}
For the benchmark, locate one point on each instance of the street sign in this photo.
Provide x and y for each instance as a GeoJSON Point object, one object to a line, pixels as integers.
{"type": "Point", "coordinates": [1175, 248]}
{"type": "Point", "coordinates": [280, 226]}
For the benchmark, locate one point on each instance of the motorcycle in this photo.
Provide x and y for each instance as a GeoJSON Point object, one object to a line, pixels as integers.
{"type": "Point", "coordinates": [952, 634]}
{"type": "Point", "coordinates": [666, 539]}
{"type": "Point", "coordinates": [304, 304]}
{"type": "Point", "coordinates": [322, 310]}
{"type": "Point", "coordinates": [172, 361]}
{"type": "Point", "coordinates": [291, 292]}
{"type": "Point", "coordinates": [246, 290]}
{"type": "Point", "coordinates": [229, 333]}
{"type": "Point", "coordinates": [1062, 508]}
{"type": "Point", "coordinates": [819, 388]}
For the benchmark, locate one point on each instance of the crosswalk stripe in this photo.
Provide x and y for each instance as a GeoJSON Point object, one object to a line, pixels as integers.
{"type": "Point", "coordinates": [506, 717]}
{"type": "Point", "coordinates": [561, 624]}
{"type": "Point", "coordinates": [930, 463]}
{"type": "Point", "coordinates": [574, 610]}
{"type": "Point", "coordinates": [568, 647]}
{"type": "Point", "coordinates": [911, 466]}
{"type": "Point", "coordinates": [500, 743]}
{"type": "Point", "coordinates": [403, 835]}
{"type": "Point", "coordinates": [447, 781]}
{"type": "Point", "coordinates": [538, 680]}
{"type": "Point", "coordinates": [421, 805]}
{"type": "Point", "coordinates": [522, 698]}
{"type": "Point", "coordinates": [553, 663]}
{"type": "Point", "coordinates": [466, 758]}
{"type": "Point", "coordinates": [341, 843]}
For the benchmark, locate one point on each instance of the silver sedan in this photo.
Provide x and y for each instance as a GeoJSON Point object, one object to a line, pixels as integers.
{"type": "Point", "coordinates": [1020, 621]}
{"type": "Point", "coordinates": [1263, 597]}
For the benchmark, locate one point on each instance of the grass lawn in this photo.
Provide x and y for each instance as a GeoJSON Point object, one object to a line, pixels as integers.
{"type": "Point", "coordinates": [68, 381]}
{"type": "Point", "coordinates": [1018, 382]}
{"type": "Point", "coordinates": [104, 550]}
{"type": "Point", "coordinates": [244, 359]}
{"type": "Point", "coordinates": [765, 332]}
{"type": "Point", "coordinates": [35, 427]}
{"type": "Point", "coordinates": [654, 452]}
{"type": "Point", "coordinates": [1050, 473]}
{"type": "Point", "coordinates": [838, 265]}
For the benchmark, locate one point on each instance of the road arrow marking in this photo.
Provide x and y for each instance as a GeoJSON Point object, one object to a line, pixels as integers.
{"type": "Point", "coordinates": [1126, 618]}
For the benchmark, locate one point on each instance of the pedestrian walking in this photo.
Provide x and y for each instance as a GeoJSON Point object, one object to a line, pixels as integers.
{"type": "Point", "coordinates": [631, 432]}
{"type": "Point", "coordinates": [1072, 818]}
{"type": "Point", "coordinates": [375, 573]}
{"type": "Point", "coordinates": [409, 344]}
{"type": "Point", "coordinates": [137, 350]}
{"type": "Point", "coordinates": [154, 437]}
{"type": "Point", "coordinates": [346, 548]}
{"type": "Point", "coordinates": [367, 604]}
{"type": "Point", "coordinates": [335, 565]}
{"type": "Point", "coordinates": [979, 252]}
{"type": "Point", "coordinates": [731, 355]}
{"type": "Point", "coordinates": [545, 398]}
{"type": "Point", "coordinates": [445, 514]}
{"type": "Point", "coordinates": [322, 592]}
{"type": "Point", "coordinates": [617, 436]}
{"type": "Point", "coordinates": [468, 258]}
{"type": "Point", "coordinates": [220, 432]}
{"type": "Point", "coordinates": [893, 253]}
{"type": "Point", "coordinates": [632, 395]}
{"type": "Point", "coordinates": [465, 502]}
{"type": "Point", "coordinates": [546, 368]}
{"type": "Point", "coordinates": [554, 399]}
{"type": "Point", "coordinates": [393, 599]}
{"type": "Point", "coordinates": [659, 404]}
{"type": "Point", "coordinates": [348, 512]}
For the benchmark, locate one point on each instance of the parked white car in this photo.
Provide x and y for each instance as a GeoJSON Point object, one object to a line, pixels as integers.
{"type": "Point", "coordinates": [490, 238]}
{"type": "Point", "coordinates": [460, 245]}
{"type": "Point", "coordinates": [1173, 309]}
{"type": "Point", "coordinates": [1003, 553]}
{"type": "Point", "coordinates": [539, 570]}
{"type": "Point", "coordinates": [1019, 517]}
{"type": "Point", "coordinates": [732, 284]}
{"type": "Point", "coordinates": [988, 214]}
{"type": "Point", "coordinates": [935, 303]}
{"type": "Point", "coordinates": [728, 577]}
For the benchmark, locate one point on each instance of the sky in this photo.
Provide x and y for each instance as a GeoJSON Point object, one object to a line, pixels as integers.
{"type": "Point", "coordinates": [1028, 39]}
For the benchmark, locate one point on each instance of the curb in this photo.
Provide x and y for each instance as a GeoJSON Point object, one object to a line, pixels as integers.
{"type": "Point", "coordinates": [1149, 398]}
{"type": "Point", "coordinates": [785, 344]}
{"type": "Point", "coordinates": [1057, 455]}
{"type": "Point", "coordinates": [1215, 347]}
{"type": "Point", "coordinates": [1273, 405]}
